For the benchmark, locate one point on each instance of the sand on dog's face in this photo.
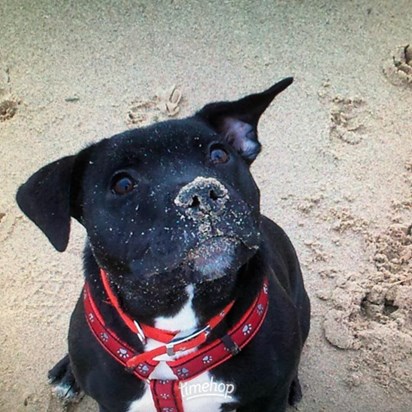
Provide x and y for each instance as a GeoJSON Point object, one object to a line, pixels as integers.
{"type": "Point", "coordinates": [335, 171]}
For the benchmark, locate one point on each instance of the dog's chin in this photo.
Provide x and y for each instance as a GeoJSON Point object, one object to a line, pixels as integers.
{"type": "Point", "coordinates": [217, 257]}
{"type": "Point", "coordinates": [211, 259]}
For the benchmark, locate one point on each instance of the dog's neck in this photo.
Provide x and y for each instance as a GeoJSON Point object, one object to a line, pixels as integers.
{"type": "Point", "coordinates": [169, 302]}
{"type": "Point", "coordinates": [185, 316]}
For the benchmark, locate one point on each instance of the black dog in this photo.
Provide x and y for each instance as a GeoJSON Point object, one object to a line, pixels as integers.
{"type": "Point", "coordinates": [193, 300]}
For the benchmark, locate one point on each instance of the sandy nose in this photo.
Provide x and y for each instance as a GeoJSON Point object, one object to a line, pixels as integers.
{"type": "Point", "coordinates": [202, 196]}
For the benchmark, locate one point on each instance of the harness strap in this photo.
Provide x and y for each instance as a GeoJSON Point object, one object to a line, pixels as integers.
{"type": "Point", "coordinates": [166, 393]}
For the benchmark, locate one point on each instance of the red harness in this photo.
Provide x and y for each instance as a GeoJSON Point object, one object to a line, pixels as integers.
{"type": "Point", "coordinates": [166, 393]}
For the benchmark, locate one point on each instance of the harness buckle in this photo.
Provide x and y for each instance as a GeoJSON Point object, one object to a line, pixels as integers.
{"type": "Point", "coordinates": [230, 345]}
{"type": "Point", "coordinates": [185, 336]}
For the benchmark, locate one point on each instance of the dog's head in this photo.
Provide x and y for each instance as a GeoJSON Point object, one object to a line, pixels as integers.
{"type": "Point", "coordinates": [174, 195]}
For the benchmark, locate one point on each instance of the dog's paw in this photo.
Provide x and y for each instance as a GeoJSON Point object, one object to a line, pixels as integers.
{"type": "Point", "coordinates": [63, 382]}
{"type": "Point", "coordinates": [295, 392]}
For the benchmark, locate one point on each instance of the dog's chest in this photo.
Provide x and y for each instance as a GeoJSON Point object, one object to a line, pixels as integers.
{"type": "Point", "coordinates": [201, 394]}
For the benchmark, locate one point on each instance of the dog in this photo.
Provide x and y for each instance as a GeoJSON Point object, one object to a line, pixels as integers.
{"type": "Point", "coordinates": [193, 300]}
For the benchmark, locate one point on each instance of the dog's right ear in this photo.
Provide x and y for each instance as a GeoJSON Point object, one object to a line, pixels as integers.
{"type": "Point", "coordinates": [45, 199]}
{"type": "Point", "coordinates": [237, 121]}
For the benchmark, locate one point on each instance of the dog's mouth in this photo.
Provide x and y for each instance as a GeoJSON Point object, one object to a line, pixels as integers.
{"type": "Point", "coordinates": [210, 259]}
{"type": "Point", "coordinates": [217, 257]}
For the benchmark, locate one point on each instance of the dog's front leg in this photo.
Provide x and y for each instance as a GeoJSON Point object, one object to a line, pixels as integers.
{"type": "Point", "coordinates": [64, 384]}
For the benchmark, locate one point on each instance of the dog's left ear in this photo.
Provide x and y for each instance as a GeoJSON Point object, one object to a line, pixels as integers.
{"type": "Point", "coordinates": [45, 199]}
{"type": "Point", "coordinates": [237, 121]}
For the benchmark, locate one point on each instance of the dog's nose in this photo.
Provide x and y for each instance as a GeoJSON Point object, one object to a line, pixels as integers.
{"type": "Point", "coordinates": [203, 196]}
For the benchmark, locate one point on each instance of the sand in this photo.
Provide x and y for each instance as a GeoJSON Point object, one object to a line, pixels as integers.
{"type": "Point", "coordinates": [335, 171]}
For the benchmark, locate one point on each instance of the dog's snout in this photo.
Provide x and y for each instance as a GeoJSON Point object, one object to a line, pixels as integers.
{"type": "Point", "coordinates": [202, 196]}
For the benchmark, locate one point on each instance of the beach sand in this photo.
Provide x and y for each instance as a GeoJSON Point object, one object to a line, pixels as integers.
{"type": "Point", "coordinates": [335, 171]}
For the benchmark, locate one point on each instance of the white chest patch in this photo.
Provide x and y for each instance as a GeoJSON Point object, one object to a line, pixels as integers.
{"type": "Point", "coordinates": [184, 319]}
{"type": "Point", "coordinates": [201, 394]}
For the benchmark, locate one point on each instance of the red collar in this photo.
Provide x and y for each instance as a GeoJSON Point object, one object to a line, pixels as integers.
{"type": "Point", "coordinates": [186, 367]}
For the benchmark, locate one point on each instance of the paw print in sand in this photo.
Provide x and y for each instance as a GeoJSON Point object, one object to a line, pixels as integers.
{"type": "Point", "coordinates": [161, 106]}
{"type": "Point", "coordinates": [8, 105]}
{"type": "Point", "coordinates": [398, 68]}
{"type": "Point", "coordinates": [348, 119]}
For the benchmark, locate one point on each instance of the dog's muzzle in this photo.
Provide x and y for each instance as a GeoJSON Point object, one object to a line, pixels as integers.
{"type": "Point", "coordinates": [204, 196]}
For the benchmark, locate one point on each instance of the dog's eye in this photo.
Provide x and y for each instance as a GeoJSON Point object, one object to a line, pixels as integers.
{"type": "Point", "coordinates": [123, 184]}
{"type": "Point", "coordinates": [218, 155]}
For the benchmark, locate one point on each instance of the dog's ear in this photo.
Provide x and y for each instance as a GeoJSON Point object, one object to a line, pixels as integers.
{"type": "Point", "coordinates": [237, 121]}
{"type": "Point", "coordinates": [45, 199]}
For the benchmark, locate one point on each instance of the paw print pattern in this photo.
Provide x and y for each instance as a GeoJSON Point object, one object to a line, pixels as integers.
{"type": "Point", "coordinates": [91, 317]}
{"type": "Point", "coordinates": [265, 289]}
{"type": "Point", "coordinates": [183, 373]}
{"type": "Point", "coordinates": [260, 309]}
{"type": "Point", "coordinates": [168, 409]}
{"type": "Point", "coordinates": [143, 369]}
{"type": "Point", "coordinates": [207, 359]}
{"type": "Point", "coordinates": [104, 337]}
{"type": "Point", "coordinates": [247, 329]}
{"type": "Point", "coordinates": [165, 396]}
{"type": "Point", "coordinates": [123, 353]}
